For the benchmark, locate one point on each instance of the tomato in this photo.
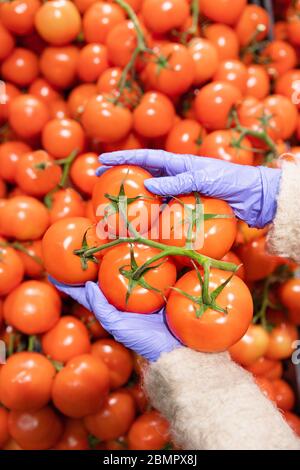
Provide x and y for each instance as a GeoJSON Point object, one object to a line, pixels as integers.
{"type": "Point", "coordinates": [10, 153]}
{"type": "Point", "coordinates": [20, 67]}
{"type": "Point", "coordinates": [83, 172]}
{"type": "Point", "coordinates": [269, 368]}
{"type": "Point", "coordinates": [27, 115]}
{"type": "Point", "coordinates": [280, 57]}
{"type": "Point", "coordinates": [266, 386]}
{"type": "Point", "coordinates": [284, 395]}
{"type": "Point", "coordinates": [214, 102]}
{"type": "Point", "coordinates": [114, 419]}
{"type": "Point", "coordinates": [142, 206]}
{"type": "Point", "coordinates": [258, 82]}
{"type": "Point", "coordinates": [99, 19]}
{"type": "Point", "coordinates": [154, 116]}
{"type": "Point", "coordinates": [287, 84]}
{"type": "Point", "coordinates": [26, 381]}
{"type": "Point", "coordinates": [290, 297]}
{"type": "Point", "coordinates": [293, 421]}
{"type": "Point", "coordinates": [4, 434]}
{"type": "Point", "coordinates": [59, 65]}
{"type": "Point", "coordinates": [224, 39]}
{"type": "Point", "coordinates": [205, 56]}
{"type": "Point", "coordinates": [37, 173]}
{"type": "Point", "coordinates": [96, 330]}
{"type": "Point", "coordinates": [67, 339]}
{"type": "Point", "coordinates": [33, 307]}
{"type": "Point", "coordinates": [173, 72]}
{"type": "Point", "coordinates": [59, 243]}
{"type": "Point", "coordinates": [32, 258]}
{"type": "Point", "coordinates": [58, 110]}
{"type": "Point", "coordinates": [66, 203]}
{"type": "Point", "coordinates": [60, 137]}
{"type": "Point", "coordinates": [213, 331]}
{"type": "Point", "coordinates": [138, 393]}
{"type": "Point", "coordinates": [251, 346]}
{"type": "Point", "coordinates": [7, 42]}
{"type": "Point", "coordinates": [118, 359]}
{"type": "Point", "coordinates": [18, 15]}
{"type": "Point", "coordinates": [92, 62]}
{"type": "Point", "coordinates": [231, 257]}
{"type": "Point", "coordinates": [74, 437]}
{"type": "Point", "coordinates": [222, 144]}
{"type": "Point", "coordinates": [78, 98]}
{"type": "Point", "coordinates": [252, 24]}
{"type": "Point", "coordinates": [257, 262]}
{"type": "Point", "coordinates": [233, 72]}
{"type": "Point", "coordinates": [150, 431]}
{"type": "Point", "coordinates": [43, 90]}
{"type": "Point", "coordinates": [223, 11]}
{"type": "Point", "coordinates": [8, 94]}
{"type": "Point", "coordinates": [83, 5]}
{"type": "Point", "coordinates": [286, 111]}
{"type": "Point", "coordinates": [58, 22]}
{"type": "Point", "coordinates": [247, 234]}
{"type": "Point", "coordinates": [108, 83]}
{"type": "Point", "coordinates": [293, 25]}
{"type": "Point", "coordinates": [35, 430]}
{"type": "Point", "coordinates": [160, 16]}
{"type": "Point", "coordinates": [11, 269]}
{"type": "Point", "coordinates": [131, 142]}
{"type": "Point", "coordinates": [106, 121]}
{"type": "Point", "coordinates": [185, 137]}
{"type": "Point", "coordinates": [115, 285]}
{"type": "Point", "coordinates": [81, 387]}
{"type": "Point", "coordinates": [174, 226]}
{"type": "Point", "coordinates": [25, 218]}
{"type": "Point", "coordinates": [282, 338]}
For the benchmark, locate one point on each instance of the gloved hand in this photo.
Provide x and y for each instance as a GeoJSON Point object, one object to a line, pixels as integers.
{"type": "Point", "coordinates": [147, 335]}
{"type": "Point", "coordinates": [250, 191]}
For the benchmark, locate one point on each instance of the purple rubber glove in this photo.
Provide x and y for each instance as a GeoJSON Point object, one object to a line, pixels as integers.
{"type": "Point", "coordinates": [250, 191]}
{"type": "Point", "coordinates": [147, 335]}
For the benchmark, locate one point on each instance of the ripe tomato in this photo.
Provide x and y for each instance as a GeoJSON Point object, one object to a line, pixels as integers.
{"type": "Point", "coordinates": [32, 259]}
{"type": "Point", "coordinates": [258, 82]}
{"type": "Point", "coordinates": [253, 23]}
{"type": "Point", "coordinates": [96, 330]}
{"type": "Point", "coordinates": [20, 67]}
{"type": "Point", "coordinates": [160, 16]}
{"type": "Point", "coordinates": [59, 243]}
{"type": "Point", "coordinates": [75, 436]}
{"type": "Point", "coordinates": [222, 144]}
{"type": "Point", "coordinates": [58, 110]}
{"type": "Point", "coordinates": [35, 430]}
{"type": "Point", "coordinates": [33, 307]}
{"type": "Point", "coordinates": [282, 338]}
{"type": "Point", "coordinates": [213, 331]}
{"type": "Point", "coordinates": [154, 116]}
{"type": "Point", "coordinates": [99, 19]}
{"type": "Point", "coordinates": [266, 386]}
{"type": "Point", "coordinates": [67, 339]}
{"type": "Point", "coordinates": [18, 15]}
{"type": "Point", "coordinates": [233, 72]}
{"type": "Point", "coordinates": [114, 419]}
{"type": "Point", "coordinates": [10, 153]}
{"type": "Point", "coordinates": [24, 218]}
{"type": "Point", "coordinates": [286, 84]}
{"type": "Point", "coordinates": [83, 172]}
{"type": "Point", "coordinates": [286, 111]}
{"type": "Point", "coordinates": [173, 72]}
{"type": "Point", "coordinates": [108, 83]}
{"type": "Point", "coordinates": [37, 173]}
{"type": "Point", "coordinates": [269, 368]}
{"type": "Point", "coordinates": [4, 434]}
{"type": "Point", "coordinates": [11, 269]}
{"type": "Point", "coordinates": [115, 285]}
{"type": "Point", "coordinates": [142, 206]}
{"type": "Point", "coordinates": [131, 142]}
{"type": "Point", "coordinates": [214, 102]}
{"type": "Point", "coordinates": [284, 395]}
{"type": "Point", "coordinates": [290, 297]}
{"type": "Point", "coordinates": [150, 431]}
{"type": "Point", "coordinates": [138, 393]}
{"type": "Point", "coordinates": [7, 42]}
{"type": "Point", "coordinates": [205, 57]}
{"type": "Point", "coordinates": [247, 234]}
{"type": "Point", "coordinates": [106, 121]}
{"type": "Point", "coordinates": [27, 115]}
{"type": "Point", "coordinates": [185, 137]}
{"type": "Point", "coordinates": [280, 57]}
{"type": "Point", "coordinates": [251, 346]}
{"type": "Point", "coordinates": [293, 421]}
{"type": "Point", "coordinates": [59, 65]}
{"type": "Point", "coordinates": [26, 381]}
{"type": "Point", "coordinates": [58, 22]}
{"type": "Point", "coordinates": [78, 98]}
{"type": "Point", "coordinates": [43, 90]}
{"type": "Point", "coordinates": [257, 262]}
{"type": "Point", "coordinates": [8, 94]}
{"type": "Point", "coordinates": [223, 11]}
{"type": "Point", "coordinates": [66, 203]}
{"type": "Point", "coordinates": [62, 136]}
{"type": "Point", "coordinates": [224, 39]}
{"type": "Point", "coordinates": [92, 62]}
{"type": "Point", "coordinates": [174, 226]}
{"type": "Point", "coordinates": [118, 359]}
{"type": "Point", "coordinates": [81, 387]}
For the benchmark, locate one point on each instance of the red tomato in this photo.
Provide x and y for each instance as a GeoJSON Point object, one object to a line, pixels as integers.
{"type": "Point", "coordinates": [223, 11]}
{"type": "Point", "coordinates": [251, 346]}
{"type": "Point", "coordinates": [18, 15]}
{"type": "Point", "coordinates": [81, 387]}
{"type": "Point", "coordinates": [43, 90]}
{"type": "Point", "coordinates": [280, 57]}
{"type": "Point", "coordinates": [118, 359]}
{"type": "Point", "coordinates": [96, 330]}
{"type": "Point", "coordinates": [284, 395]}
{"type": "Point", "coordinates": [7, 42]}
{"type": "Point", "coordinates": [33, 307]}
{"type": "Point", "coordinates": [258, 82]}
{"type": "Point", "coordinates": [83, 172]}
{"type": "Point", "coordinates": [66, 203]}
{"type": "Point", "coordinates": [58, 110]}
{"type": "Point", "coordinates": [35, 430]}
{"type": "Point", "coordinates": [253, 23]}
{"type": "Point", "coordinates": [266, 386]}
{"type": "Point", "coordinates": [11, 270]}
{"type": "Point", "coordinates": [282, 338]}
{"type": "Point", "coordinates": [185, 137]}
{"type": "Point", "coordinates": [225, 40]}
{"type": "Point", "coordinates": [150, 431]}
{"type": "Point", "coordinates": [288, 85]}
{"type": "Point", "coordinates": [75, 436]}
{"type": "Point", "coordinates": [10, 153]}
{"type": "Point", "coordinates": [286, 111]}
{"type": "Point", "coordinates": [269, 368]}
{"type": "Point", "coordinates": [99, 19]}
{"type": "Point", "coordinates": [27, 115]}
{"type": "Point", "coordinates": [58, 22]}
{"type": "Point", "coordinates": [137, 391]}
{"type": "Point", "coordinates": [160, 16]}
{"type": "Point", "coordinates": [59, 242]}
{"type": "Point", "coordinates": [8, 94]}
{"type": "Point", "coordinates": [60, 137]}
{"type": "Point", "coordinates": [4, 434]}
{"type": "Point", "coordinates": [154, 116]}
{"type": "Point", "coordinates": [114, 419]}
{"type": "Point", "coordinates": [26, 381]}
{"type": "Point", "coordinates": [20, 67]}
{"type": "Point", "coordinates": [293, 421]}
{"type": "Point", "coordinates": [257, 262]}
{"type": "Point", "coordinates": [205, 56]}
{"type": "Point", "coordinates": [213, 331]}
{"type": "Point", "coordinates": [79, 97]}
{"type": "Point", "coordinates": [67, 339]}
{"type": "Point", "coordinates": [233, 72]}
{"type": "Point", "coordinates": [290, 298]}
{"type": "Point", "coordinates": [115, 285]}
{"type": "Point", "coordinates": [222, 144]}
{"type": "Point", "coordinates": [59, 65]}
{"type": "Point", "coordinates": [231, 257]}
{"type": "Point", "coordinates": [32, 258]}
{"type": "Point", "coordinates": [92, 62]}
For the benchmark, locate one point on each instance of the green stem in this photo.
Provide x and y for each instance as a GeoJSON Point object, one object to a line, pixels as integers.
{"type": "Point", "coordinates": [11, 344]}
{"type": "Point", "coordinates": [261, 314]}
{"type": "Point", "coordinates": [205, 291]}
{"type": "Point", "coordinates": [31, 343]}
{"type": "Point", "coordinates": [67, 162]}
{"type": "Point", "coordinates": [150, 261]}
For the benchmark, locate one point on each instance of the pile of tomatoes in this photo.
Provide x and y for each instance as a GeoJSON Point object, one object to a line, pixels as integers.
{"type": "Point", "coordinates": [83, 77]}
